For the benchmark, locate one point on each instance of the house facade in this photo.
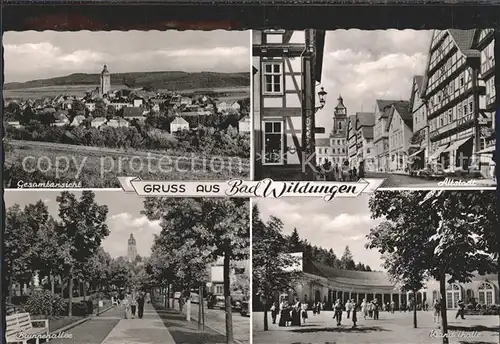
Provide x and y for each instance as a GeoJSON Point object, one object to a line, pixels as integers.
{"type": "Point", "coordinates": [179, 124]}
{"type": "Point", "coordinates": [324, 152]}
{"type": "Point", "coordinates": [244, 125]}
{"type": "Point", "coordinates": [454, 94]}
{"type": "Point", "coordinates": [400, 130]}
{"type": "Point", "coordinates": [287, 65]}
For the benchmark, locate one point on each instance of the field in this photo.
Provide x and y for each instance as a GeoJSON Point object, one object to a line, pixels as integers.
{"type": "Point", "coordinates": [232, 93]}
{"type": "Point", "coordinates": [96, 167]}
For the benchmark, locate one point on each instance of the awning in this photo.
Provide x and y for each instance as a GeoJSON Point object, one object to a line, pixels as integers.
{"type": "Point", "coordinates": [438, 152]}
{"type": "Point", "coordinates": [487, 150]}
{"type": "Point", "coordinates": [417, 153]}
{"type": "Point", "coordinates": [457, 144]}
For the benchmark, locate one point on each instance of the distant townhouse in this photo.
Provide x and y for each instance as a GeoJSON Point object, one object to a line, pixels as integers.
{"type": "Point", "coordinates": [380, 134]}
{"type": "Point", "coordinates": [454, 92]}
{"type": "Point", "coordinates": [287, 65]}
{"type": "Point", "coordinates": [222, 106]}
{"type": "Point", "coordinates": [400, 130]}
{"type": "Point", "coordinates": [235, 106]}
{"type": "Point", "coordinates": [179, 124]}
{"type": "Point", "coordinates": [418, 150]}
{"type": "Point", "coordinates": [365, 148]}
{"type": "Point", "coordinates": [485, 42]}
{"type": "Point", "coordinates": [138, 102]}
{"type": "Point", "coordinates": [244, 125]}
{"type": "Point", "coordinates": [118, 122]}
{"type": "Point", "coordinates": [120, 105]}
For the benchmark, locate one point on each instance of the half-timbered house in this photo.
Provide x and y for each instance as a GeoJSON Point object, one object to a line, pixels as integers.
{"type": "Point", "coordinates": [287, 67]}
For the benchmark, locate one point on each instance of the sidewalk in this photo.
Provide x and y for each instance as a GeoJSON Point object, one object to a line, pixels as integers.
{"type": "Point", "coordinates": [149, 330]}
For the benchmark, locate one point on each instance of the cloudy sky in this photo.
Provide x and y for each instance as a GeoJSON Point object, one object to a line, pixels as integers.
{"type": "Point", "coordinates": [124, 217]}
{"type": "Point", "coordinates": [336, 224]}
{"type": "Point", "coordinates": [367, 65]}
{"type": "Point", "coordinates": [33, 55]}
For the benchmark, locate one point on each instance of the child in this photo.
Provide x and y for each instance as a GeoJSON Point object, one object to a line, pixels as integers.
{"type": "Point", "coordinates": [437, 311]}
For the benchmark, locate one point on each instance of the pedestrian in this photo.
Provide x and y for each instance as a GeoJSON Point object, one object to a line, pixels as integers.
{"type": "Point", "coordinates": [348, 308]}
{"type": "Point", "coordinates": [392, 306]}
{"type": "Point", "coordinates": [354, 172]}
{"type": "Point", "coordinates": [338, 312]}
{"type": "Point", "coordinates": [345, 171]}
{"type": "Point", "coordinates": [437, 311]}
{"type": "Point", "coordinates": [296, 309]}
{"type": "Point", "coordinates": [148, 297]}
{"type": "Point", "coordinates": [370, 309]}
{"type": "Point", "coordinates": [284, 314]}
{"type": "Point", "coordinates": [274, 311]}
{"type": "Point", "coordinates": [364, 308]}
{"type": "Point", "coordinates": [319, 306]}
{"type": "Point", "coordinates": [133, 304]}
{"type": "Point", "coordinates": [140, 305]}
{"type": "Point", "coordinates": [354, 313]}
{"type": "Point", "coordinates": [304, 312]}
{"type": "Point", "coordinates": [461, 309]}
{"type": "Point", "coordinates": [376, 309]}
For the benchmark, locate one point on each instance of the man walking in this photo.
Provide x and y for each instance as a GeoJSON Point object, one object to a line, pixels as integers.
{"type": "Point", "coordinates": [338, 312]}
{"type": "Point", "coordinates": [140, 305]}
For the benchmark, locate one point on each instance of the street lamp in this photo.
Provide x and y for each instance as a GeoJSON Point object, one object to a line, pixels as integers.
{"type": "Point", "coordinates": [322, 101]}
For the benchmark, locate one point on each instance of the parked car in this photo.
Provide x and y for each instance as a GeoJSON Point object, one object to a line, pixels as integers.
{"type": "Point", "coordinates": [244, 308]}
{"type": "Point", "coordinates": [216, 301]}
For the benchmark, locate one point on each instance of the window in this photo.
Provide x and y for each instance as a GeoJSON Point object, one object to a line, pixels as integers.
{"type": "Point", "coordinates": [273, 143]}
{"type": "Point", "coordinates": [461, 81]}
{"type": "Point", "coordinates": [219, 289]}
{"type": "Point", "coordinates": [485, 293]}
{"type": "Point", "coordinates": [471, 108]}
{"type": "Point", "coordinates": [450, 116]}
{"type": "Point", "coordinates": [340, 125]}
{"type": "Point", "coordinates": [273, 78]}
{"type": "Point", "coordinates": [465, 109]}
{"type": "Point", "coordinates": [453, 294]}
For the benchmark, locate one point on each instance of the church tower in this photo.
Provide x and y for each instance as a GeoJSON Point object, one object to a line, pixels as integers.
{"type": "Point", "coordinates": [105, 85]}
{"type": "Point", "coordinates": [132, 249]}
{"type": "Point", "coordinates": [340, 118]}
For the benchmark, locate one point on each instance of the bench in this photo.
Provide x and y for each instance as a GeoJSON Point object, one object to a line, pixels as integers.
{"type": "Point", "coordinates": [21, 324]}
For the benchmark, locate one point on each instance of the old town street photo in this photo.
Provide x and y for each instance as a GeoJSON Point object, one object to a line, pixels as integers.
{"type": "Point", "coordinates": [394, 267]}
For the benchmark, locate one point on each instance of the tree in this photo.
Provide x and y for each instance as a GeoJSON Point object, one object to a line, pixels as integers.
{"type": "Point", "coordinates": [347, 261]}
{"type": "Point", "coordinates": [82, 227]}
{"type": "Point", "coordinates": [110, 112]}
{"type": "Point", "coordinates": [270, 261]}
{"type": "Point", "coordinates": [405, 261]}
{"type": "Point", "coordinates": [445, 228]}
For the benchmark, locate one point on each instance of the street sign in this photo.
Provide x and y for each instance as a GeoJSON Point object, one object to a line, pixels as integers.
{"type": "Point", "coordinates": [209, 284]}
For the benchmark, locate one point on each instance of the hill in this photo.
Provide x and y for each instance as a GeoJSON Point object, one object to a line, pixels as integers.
{"type": "Point", "coordinates": [158, 80]}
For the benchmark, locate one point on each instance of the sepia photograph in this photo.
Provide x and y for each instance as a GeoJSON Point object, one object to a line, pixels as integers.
{"type": "Point", "coordinates": [416, 108]}
{"type": "Point", "coordinates": [393, 267]}
{"type": "Point", "coordinates": [82, 108]}
{"type": "Point", "coordinates": [103, 267]}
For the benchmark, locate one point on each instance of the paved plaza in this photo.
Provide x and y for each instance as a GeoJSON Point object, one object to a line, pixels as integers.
{"type": "Point", "coordinates": [394, 328]}
{"type": "Point", "coordinates": [404, 180]}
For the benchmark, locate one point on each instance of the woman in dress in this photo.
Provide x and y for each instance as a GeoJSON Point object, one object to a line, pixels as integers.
{"type": "Point", "coordinates": [354, 310]}
{"type": "Point", "coordinates": [126, 306]}
{"type": "Point", "coordinates": [133, 304]}
{"type": "Point", "coordinates": [274, 311]}
{"type": "Point", "coordinates": [283, 314]}
{"type": "Point", "coordinates": [296, 313]}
